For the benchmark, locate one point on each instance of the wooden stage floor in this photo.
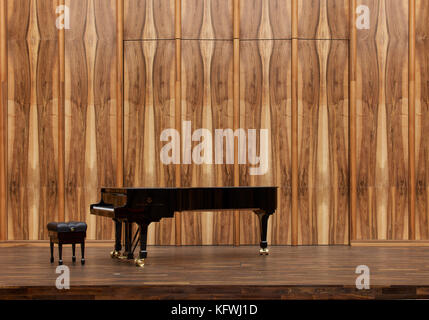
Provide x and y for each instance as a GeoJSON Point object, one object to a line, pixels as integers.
{"type": "Point", "coordinates": [219, 273]}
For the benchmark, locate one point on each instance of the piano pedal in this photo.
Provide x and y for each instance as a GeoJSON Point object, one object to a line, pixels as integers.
{"type": "Point", "coordinates": [115, 254]}
{"type": "Point", "coordinates": [139, 262]}
{"type": "Point", "coordinates": [264, 251]}
{"type": "Point", "coordinates": [123, 257]}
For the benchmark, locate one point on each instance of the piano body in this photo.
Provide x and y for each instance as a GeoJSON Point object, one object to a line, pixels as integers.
{"type": "Point", "coordinates": [146, 205]}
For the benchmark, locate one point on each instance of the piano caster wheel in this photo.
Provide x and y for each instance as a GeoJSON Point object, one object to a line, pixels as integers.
{"type": "Point", "coordinates": [115, 254]}
{"type": "Point", "coordinates": [139, 262]}
{"type": "Point", "coordinates": [264, 252]}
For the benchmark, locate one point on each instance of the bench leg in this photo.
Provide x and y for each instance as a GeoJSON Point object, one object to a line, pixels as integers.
{"type": "Point", "coordinates": [52, 252]}
{"type": "Point", "coordinates": [60, 253]}
{"type": "Point", "coordinates": [74, 252]}
{"type": "Point", "coordinates": [82, 249]}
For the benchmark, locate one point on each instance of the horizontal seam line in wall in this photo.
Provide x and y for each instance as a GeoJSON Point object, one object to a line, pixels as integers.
{"type": "Point", "coordinates": [160, 39]}
{"type": "Point", "coordinates": [322, 39]}
{"type": "Point", "coordinates": [241, 39]}
{"type": "Point", "coordinates": [205, 39]}
{"type": "Point", "coordinates": [294, 38]}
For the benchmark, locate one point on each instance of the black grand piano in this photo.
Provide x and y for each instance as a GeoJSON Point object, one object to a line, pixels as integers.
{"type": "Point", "coordinates": [146, 205]}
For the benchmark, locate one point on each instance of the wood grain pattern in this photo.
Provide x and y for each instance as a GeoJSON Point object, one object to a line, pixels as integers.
{"type": "Point", "coordinates": [119, 92]}
{"type": "Point", "coordinates": [294, 123]}
{"type": "Point", "coordinates": [382, 123]}
{"type": "Point", "coordinates": [236, 106]}
{"type": "Point", "coordinates": [90, 110]}
{"type": "Point", "coordinates": [352, 125]}
{"type": "Point", "coordinates": [208, 19]}
{"type": "Point", "coordinates": [323, 174]}
{"type": "Point", "coordinates": [149, 19]}
{"type": "Point", "coordinates": [265, 103]}
{"type": "Point", "coordinates": [260, 19]}
{"type": "Point", "coordinates": [3, 121]}
{"type": "Point", "coordinates": [32, 118]}
{"type": "Point", "coordinates": [61, 118]}
{"type": "Point", "coordinates": [422, 121]}
{"type": "Point", "coordinates": [217, 273]}
{"type": "Point", "coordinates": [62, 102]}
{"type": "Point", "coordinates": [178, 103]}
{"type": "Point", "coordinates": [207, 101]}
{"type": "Point", "coordinates": [411, 120]}
{"type": "Point", "coordinates": [323, 19]}
{"type": "Point", "coordinates": [149, 109]}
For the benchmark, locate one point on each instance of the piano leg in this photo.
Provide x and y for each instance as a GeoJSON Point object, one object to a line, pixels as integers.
{"type": "Point", "coordinates": [118, 236]}
{"type": "Point", "coordinates": [128, 235]}
{"type": "Point", "coordinates": [143, 241]}
{"type": "Point", "coordinates": [263, 224]}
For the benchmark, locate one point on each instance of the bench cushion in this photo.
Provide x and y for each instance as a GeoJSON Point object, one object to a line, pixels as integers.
{"type": "Point", "coordinates": [67, 226]}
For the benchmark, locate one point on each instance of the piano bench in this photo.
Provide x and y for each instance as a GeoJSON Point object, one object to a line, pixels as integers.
{"type": "Point", "coordinates": [67, 233]}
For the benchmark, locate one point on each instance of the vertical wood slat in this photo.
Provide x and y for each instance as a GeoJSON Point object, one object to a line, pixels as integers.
{"type": "Point", "coordinates": [3, 122]}
{"type": "Point", "coordinates": [90, 109]}
{"type": "Point", "coordinates": [236, 106]}
{"type": "Point", "coordinates": [78, 119]}
{"type": "Point", "coordinates": [61, 115]}
{"type": "Point", "coordinates": [382, 123]}
{"type": "Point", "coordinates": [422, 120]}
{"type": "Point", "coordinates": [119, 93]}
{"type": "Point", "coordinates": [294, 147]}
{"type": "Point", "coordinates": [323, 142]}
{"type": "Point", "coordinates": [32, 118]}
{"type": "Point", "coordinates": [149, 99]}
{"type": "Point", "coordinates": [178, 104]}
{"type": "Point", "coordinates": [207, 101]}
{"type": "Point", "coordinates": [411, 120]}
{"type": "Point", "coordinates": [352, 119]}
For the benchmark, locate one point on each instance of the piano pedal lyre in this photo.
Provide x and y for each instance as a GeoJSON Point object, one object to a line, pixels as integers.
{"type": "Point", "coordinates": [264, 251]}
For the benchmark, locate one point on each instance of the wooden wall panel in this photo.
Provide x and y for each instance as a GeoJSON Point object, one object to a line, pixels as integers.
{"type": "Point", "coordinates": [32, 118]}
{"type": "Point", "coordinates": [261, 19]}
{"type": "Point", "coordinates": [265, 103]}
{"type": "Point", "coordinates": [323, 177]}
{"type": "Point", "coordinates": [149, 109]}
{"type": "Point", "coordinates": [207, 93]}
{"type": "Point", "coordinates": [92, 142]}
{"type": "Point", "coordinates": [148, 19]}
{"type": "Point", "coordinates": [3, 120]}
{"type": "Point", "coordinates": [90, 110]}
{"type": "Point", "coordinates": [323, 19]}
{"type": "Point", "coordinates": [382, 122]}
{"type": "Point", "coordinates": [207, 19]}
{"type": "Point", "coordinates": [422, 120]}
